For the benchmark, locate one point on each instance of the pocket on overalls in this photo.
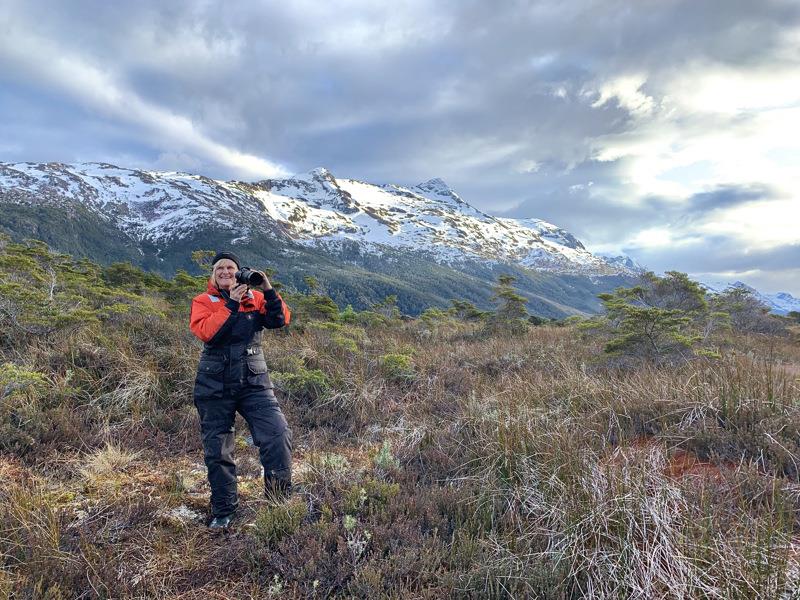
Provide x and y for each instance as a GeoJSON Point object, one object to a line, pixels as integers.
{"type": "Point", "coordinates": [209, 380]}
{"type": "Point", "coordinates": [257, 372]}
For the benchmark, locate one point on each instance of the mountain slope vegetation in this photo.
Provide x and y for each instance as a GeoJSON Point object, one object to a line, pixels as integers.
{"type": "Point", "coordinates": [464, 453]}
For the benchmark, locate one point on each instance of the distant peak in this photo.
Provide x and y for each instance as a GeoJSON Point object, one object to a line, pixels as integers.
{"type": "Point", "coordinates": [435, 184]}
{"type": "Point", "coordinates": [742, 285]}
{"type": "Point", "coordinates": [622, 260]}
{"type": "Point", "coordinates": [439, 188]}
{"type": "Point", "coordinates": [322, 174]}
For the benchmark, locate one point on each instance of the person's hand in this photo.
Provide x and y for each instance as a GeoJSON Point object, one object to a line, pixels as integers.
{"type": "Point", "coordinates": [266, 285]}
{"type": "Point", "coordinates": [238, 292]}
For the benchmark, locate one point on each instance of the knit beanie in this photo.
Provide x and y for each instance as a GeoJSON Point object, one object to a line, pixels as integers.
{"type": "Point", "coordinates": [229, 255]}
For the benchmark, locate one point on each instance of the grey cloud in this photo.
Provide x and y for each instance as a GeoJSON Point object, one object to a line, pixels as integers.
{"type": "Point", "coordinates": [716, 257]}
{"type": "Point", "coordinates": [717, 253]}
{"type": "Point", "coordinates": [468, 91]}
{"type": "Point", "coordinates": [603, 220]}
{"type": "Point", "coordinates": [726, 196]}
{"type": "Point", "coordinates": [271, 76]}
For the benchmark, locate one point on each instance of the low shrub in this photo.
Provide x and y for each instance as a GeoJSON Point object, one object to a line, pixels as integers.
{"type": "Point", "coordinates": [384, 459]}
{"type": "Point", "coordinates": [308, 385]}
{"type": "Point", "coordinates": [398, 368]}
{"type": "Point", "coordinates": [275, 522]}
{"type": "Point", "coordinates": [370, 496]}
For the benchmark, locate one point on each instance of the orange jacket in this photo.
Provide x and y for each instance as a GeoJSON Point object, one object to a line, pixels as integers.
{"type": "Point", "coordinates": [215, 318]}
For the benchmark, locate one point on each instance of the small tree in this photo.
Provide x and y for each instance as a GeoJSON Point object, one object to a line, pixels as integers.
{"type": "Point", "coordinates": [674, 291]}
{"type": "Point", "coordinates": [202, 258]}
{"type": "Point", "coordinates": [387, 307]}
{"type": "Point", "coordinates": [466, 311]}
{"type": "Point", "coordinates": [313, 305]}
{"type": "Point", "coordinates": [654, 320]}
{"type": "Point", "coordinates": [511, 314]}
{"type": "Point", "coordinates": [747, 313]}
{"type": "Point", "coordinates": [312, 283]}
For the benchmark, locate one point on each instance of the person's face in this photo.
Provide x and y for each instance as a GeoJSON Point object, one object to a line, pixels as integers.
{"type": "Point", "coordinates": [225, 274]}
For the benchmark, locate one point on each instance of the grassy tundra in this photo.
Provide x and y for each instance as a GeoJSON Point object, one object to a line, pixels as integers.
{"type": "Point", "coordinates": [649, 454]}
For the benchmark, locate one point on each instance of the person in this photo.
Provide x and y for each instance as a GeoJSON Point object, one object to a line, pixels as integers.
{"type": "Point", "coordinates": [232, 376]}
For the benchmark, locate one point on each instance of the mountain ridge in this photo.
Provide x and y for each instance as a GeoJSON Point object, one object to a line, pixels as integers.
{"type": "Point", "coordinates": [361, 241]}
{"type": "Point", "coordinates": [780, 303]}
{"type": "Point", "coordinates": [310, 208]}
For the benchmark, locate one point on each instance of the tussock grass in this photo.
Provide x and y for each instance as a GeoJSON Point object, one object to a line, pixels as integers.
{"type": "Point", "coordinates": [107, 463]}
{"type": "Point", "coordinates": [434, 459]}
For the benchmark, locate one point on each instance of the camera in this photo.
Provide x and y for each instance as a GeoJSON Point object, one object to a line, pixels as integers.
{"type": "Point", "coordinates": [249, 277]}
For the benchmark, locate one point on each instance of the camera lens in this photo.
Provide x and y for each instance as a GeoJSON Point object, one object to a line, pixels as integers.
{"type": "Point", "coordinates": [249, 277]}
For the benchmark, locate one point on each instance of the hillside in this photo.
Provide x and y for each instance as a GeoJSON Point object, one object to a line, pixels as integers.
{"type": "Point", "coordinates": [361, 241]}
{"type": "Point", "coordinates": [446, 456]}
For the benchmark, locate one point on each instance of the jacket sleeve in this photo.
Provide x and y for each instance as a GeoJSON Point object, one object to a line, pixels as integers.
{"type": "Point", "coordinates": [275, 312]}
{"type": "Point", "coordinates": [210, 325]}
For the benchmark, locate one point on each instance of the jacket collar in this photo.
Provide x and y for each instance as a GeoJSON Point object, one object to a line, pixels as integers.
{"type": "Point", "coordinates": [213, 290]}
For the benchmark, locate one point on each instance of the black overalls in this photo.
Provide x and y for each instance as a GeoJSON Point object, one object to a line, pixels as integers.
{"type": "Point", "coordinates": [232, 376]}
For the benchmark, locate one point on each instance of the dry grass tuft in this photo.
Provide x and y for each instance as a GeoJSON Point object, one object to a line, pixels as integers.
{"type": "Point", "coordinates": [433, 461]}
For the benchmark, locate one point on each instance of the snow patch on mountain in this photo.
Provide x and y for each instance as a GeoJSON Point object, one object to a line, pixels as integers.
{"type": "Point", "coordinates": [152, 206]}
{"type": "Point", "coordinates": [780, 303]}
{"type": "Point", "coordinates": [313, 208]}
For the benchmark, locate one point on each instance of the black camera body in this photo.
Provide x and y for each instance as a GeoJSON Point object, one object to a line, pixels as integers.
{"type": "Point", "coordinates": [249, 277]}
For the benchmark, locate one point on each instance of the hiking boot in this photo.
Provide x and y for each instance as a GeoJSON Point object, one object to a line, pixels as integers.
{"type": "Point", "coordinates": [221, 523]}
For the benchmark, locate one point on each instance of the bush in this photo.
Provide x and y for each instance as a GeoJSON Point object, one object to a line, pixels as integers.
{"type": "Point", "coordinates": [315, 307]}
{"type": "Point", "coordinates": [342, 336]}
{"type": "Point", "coordinates": [24, 411]}
{"type": "Point", "coordinates": [384, 459]}
{"type": "Point", "coordinates": [398, 368]}
{"type": "Point", "coordinates": [275, 522]}
{"type": "Point", "coordinates": [747, 313]}
{"type": "Point", "coordinates": [16, 382]}
{"type": "Point", "coordinates": [466, 311]}
{"type": "Point", "coordinates": [369, 497]}
{"type": "Point", "coordinates": [309, 385]}
{"type": "Point", "coordinates": [655, 320]}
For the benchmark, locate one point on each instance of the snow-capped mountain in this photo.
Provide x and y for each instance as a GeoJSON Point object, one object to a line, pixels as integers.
{"type": "Point", "coordinates": [313, 209]}
{"type": "Point", "coordinates": [148, 206]}
{"type": "Point", "coordinates": [623, 261]}
{"type": "Point", "coordinates": [780, 303]}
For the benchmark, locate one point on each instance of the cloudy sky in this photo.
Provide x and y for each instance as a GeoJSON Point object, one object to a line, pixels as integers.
{"type": "Point", "coordinates": [665, 129]}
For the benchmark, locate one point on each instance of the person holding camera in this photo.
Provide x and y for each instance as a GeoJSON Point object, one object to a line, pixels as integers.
{"type": "Point", "coordinates": [232, 376]}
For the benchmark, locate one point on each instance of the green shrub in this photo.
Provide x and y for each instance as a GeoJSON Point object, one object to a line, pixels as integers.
{"type": "Point", "coordinates": [343, 336]}
{"type": "Point", "coordinates": [23, 413]}
{"type": "Point", "coordinates": [397, 367]}
{"type": "Point", "coordinates": [275, 522]}
{"type": "Point", "coordinates": [384, 459]}
{"type": "Point", "coordinates": [745, 312]}
{"type": "Point", "coordinates": [332, 462]}
{"type": "Point", "coordinates": [309, 385]}
{"type": "Point", "coordinates": [310, 308]}
{"type": "Point", "coordinates": [348, 315]}
{"type": "Point", "coordinates": [344, 343]}
{"type": "Point", "coordinates": [657, 319]}
{"type": "Point", "coordinates": [433, 316]}
{"type": "Point", "coordinates": [16, 381]}
{"type": "Point", "coordinates": [369, 497]}
{"type": "Point", "coordinates": [466, 311]}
